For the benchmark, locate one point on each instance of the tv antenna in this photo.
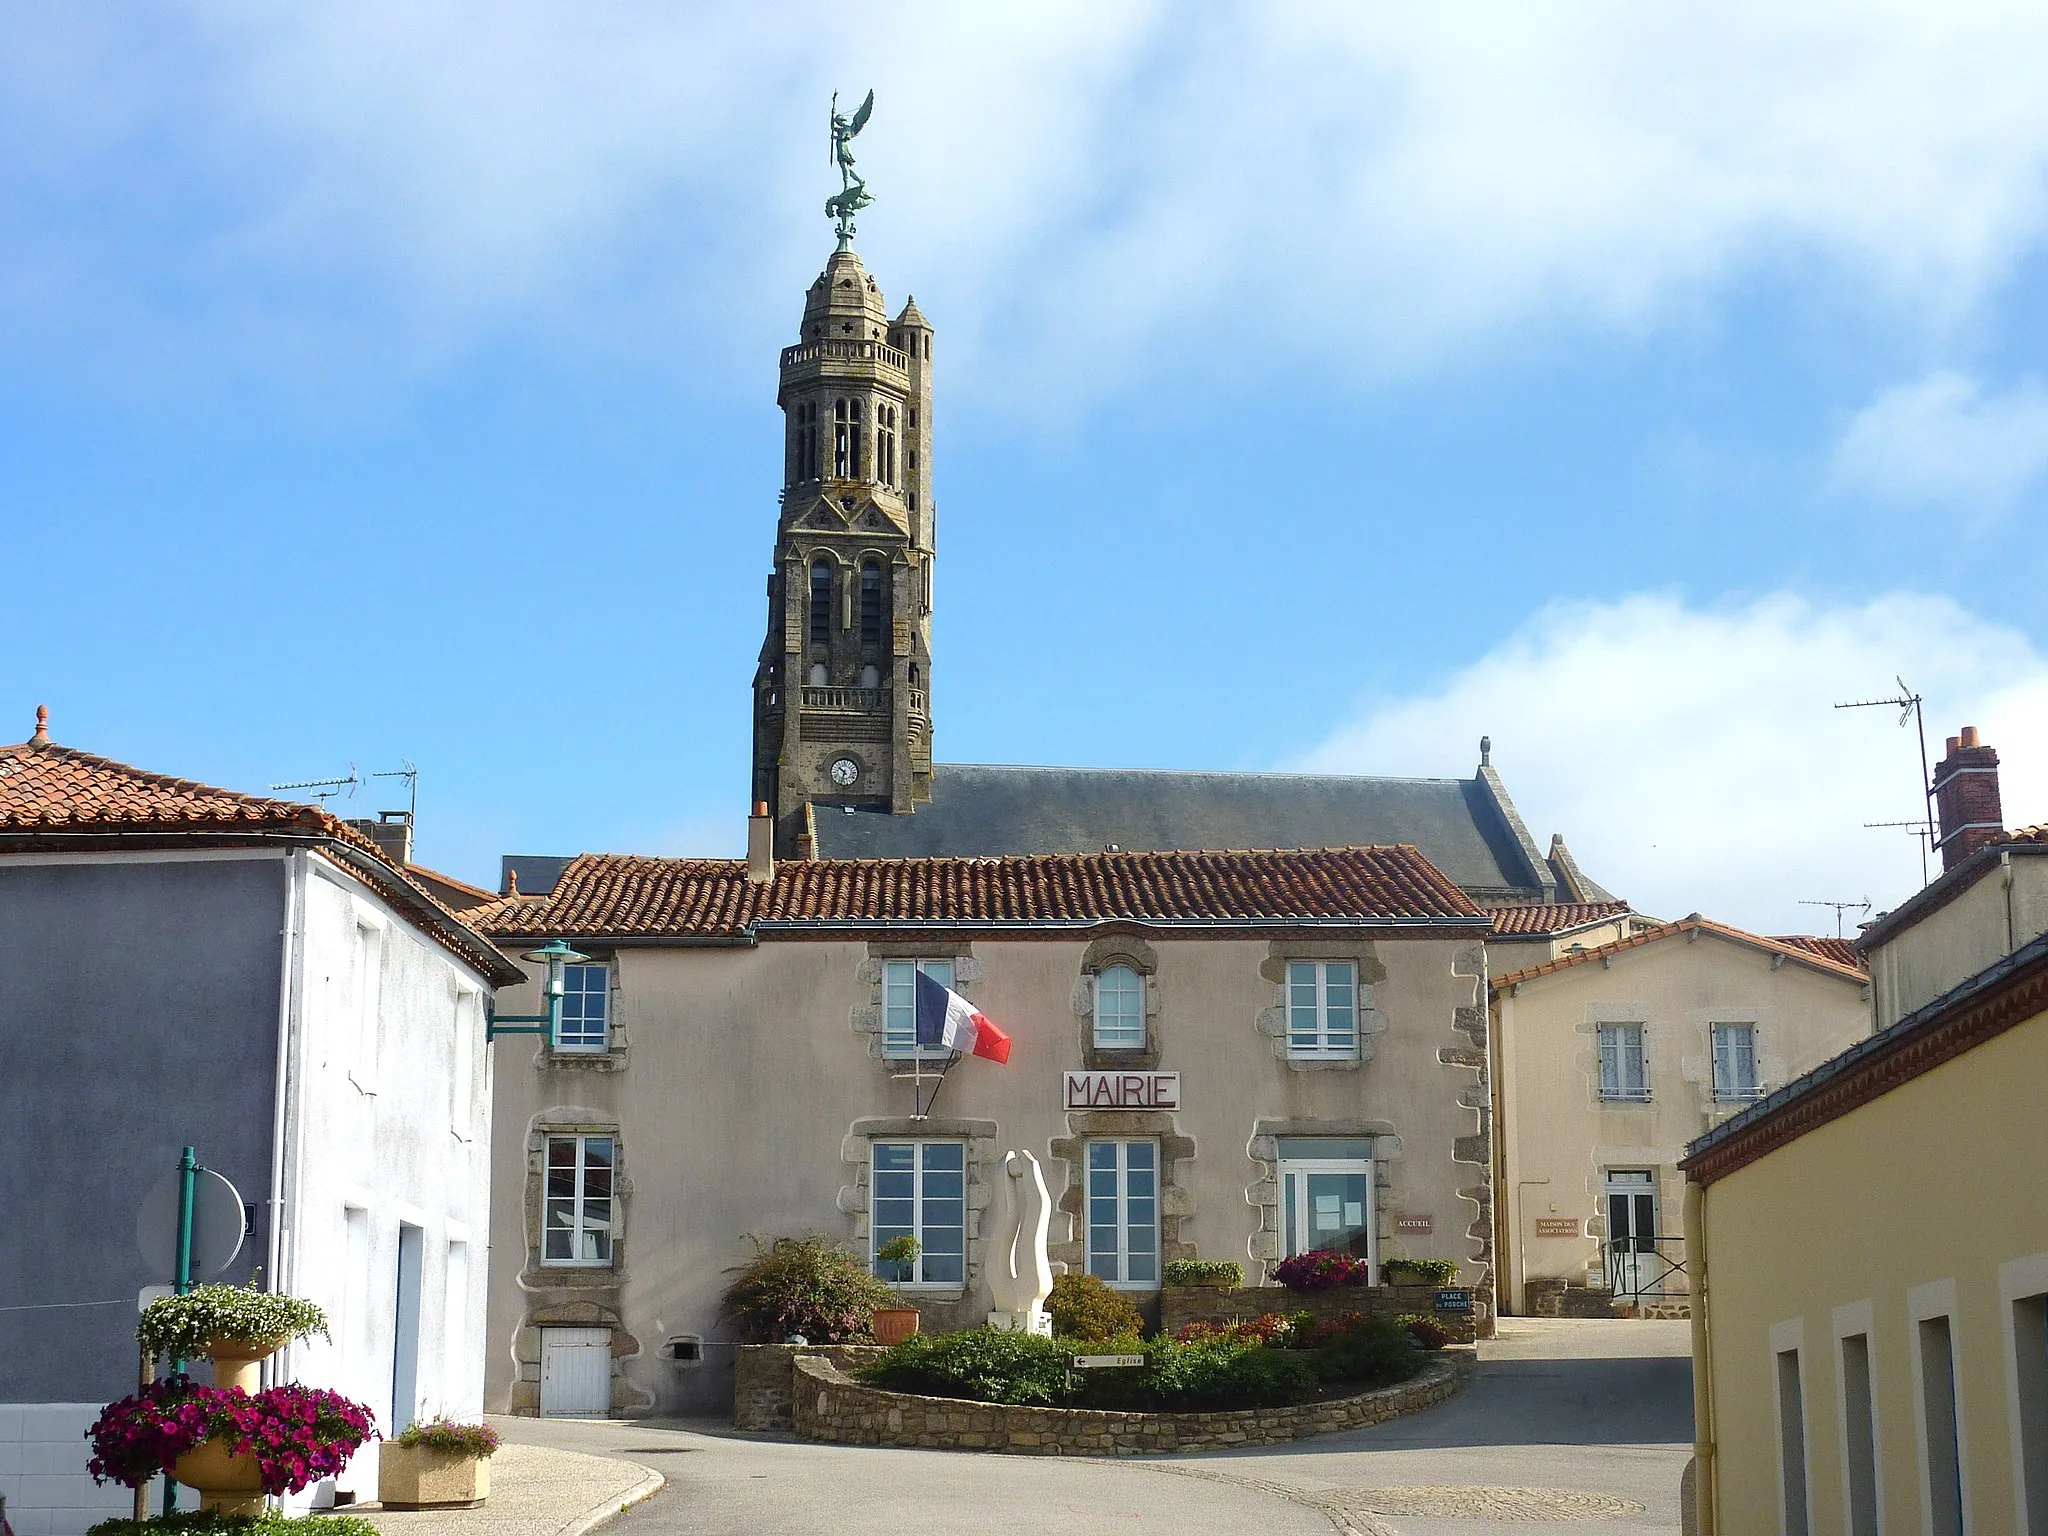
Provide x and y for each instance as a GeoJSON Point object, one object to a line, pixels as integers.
{"type": "Point", "coordinates": [326, 789]}
{"type": "Point", "coordinates": [411, 775]}
{"type": "Point", "coordinates": [1908, 704]}
{"type": "Point", "coordinates": [1840, 907]}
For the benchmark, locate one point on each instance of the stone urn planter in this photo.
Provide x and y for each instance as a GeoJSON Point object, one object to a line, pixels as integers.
{"type": "Point", "coordinates": [224, 1481]}
{"type": "Point", "coordinates": [892, 1325]}
{"type": "Point", "coordinates": [425, 1477]}
{"type": "Point", "coordinates": [239, 1362]}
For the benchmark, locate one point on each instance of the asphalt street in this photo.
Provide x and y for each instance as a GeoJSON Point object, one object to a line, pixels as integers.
{"type": "Point", "coordinates": [1570, 1426]}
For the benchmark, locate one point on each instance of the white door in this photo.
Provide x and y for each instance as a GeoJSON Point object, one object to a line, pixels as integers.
{"type": "Point", "coordinates": [575, 1372]}
{"type": "Point", "coordinates": [1633, 1267]}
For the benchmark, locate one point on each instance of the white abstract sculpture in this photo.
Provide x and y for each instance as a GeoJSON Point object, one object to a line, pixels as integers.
{"type": "Point", "coordinates": [1019, 1271]}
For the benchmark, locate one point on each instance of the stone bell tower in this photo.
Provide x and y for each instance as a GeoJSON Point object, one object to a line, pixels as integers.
{"type": "Point", "coordinates": [840, 711]}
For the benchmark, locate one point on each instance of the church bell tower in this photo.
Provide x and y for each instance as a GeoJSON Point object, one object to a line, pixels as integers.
{"type": "Point", "coordinates": [841, 712]}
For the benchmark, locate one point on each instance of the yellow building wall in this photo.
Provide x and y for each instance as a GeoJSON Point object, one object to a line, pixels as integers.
{"type": "Point", "coordinates": [1937, 1180]}
{"type": "Point", "coordinates": [1559, 1137]}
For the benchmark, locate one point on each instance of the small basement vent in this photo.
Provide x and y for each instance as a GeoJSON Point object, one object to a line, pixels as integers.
{"type": "Point", "coordinates": [684, 1349]}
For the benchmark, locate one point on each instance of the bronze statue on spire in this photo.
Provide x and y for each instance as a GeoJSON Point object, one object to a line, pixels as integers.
{"type": "Point", "coordinates": [853, 188]}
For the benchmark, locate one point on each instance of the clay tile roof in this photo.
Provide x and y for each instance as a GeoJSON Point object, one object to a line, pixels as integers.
{"type": "Point", "coordinates": [1841, 951]}
{"type": "Point", "coordinates": [1546, 917]}
{"type": "Point", "coordinates": [1791, 949]}
{"type": "Point", "coordinates": [53, 794]}
{"type": "Point", "coordinates": [624, 895]}
{"type": "Point", "coordinates": [2029, 834]}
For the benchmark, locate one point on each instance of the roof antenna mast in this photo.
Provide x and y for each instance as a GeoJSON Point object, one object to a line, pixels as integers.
{"type": "Point", "coordinates": [1908, 704]}
{"type": "Point", "coordinates": [1840, 907]}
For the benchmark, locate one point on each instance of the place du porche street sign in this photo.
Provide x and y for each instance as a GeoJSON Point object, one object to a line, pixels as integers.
{"type": "Point", "coordinates": [1121, 1090]}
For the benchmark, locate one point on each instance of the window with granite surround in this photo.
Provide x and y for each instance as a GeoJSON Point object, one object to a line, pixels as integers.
{"type": "Point", "coordinates": [1322, 1016]}
{"type": "Point", "coordinates": [888, 1015]}
{"type": "Point", "coordinates": [576, 1194]}
{"type": "Point", "coordinates": [1116, 1000]}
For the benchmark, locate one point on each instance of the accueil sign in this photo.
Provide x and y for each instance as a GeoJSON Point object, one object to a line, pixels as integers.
{"type": "Point", "coordinates": [1122, 1090]}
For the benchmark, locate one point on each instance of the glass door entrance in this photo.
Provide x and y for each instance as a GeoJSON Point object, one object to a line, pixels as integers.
{"type": "Point", "coordinates": [1633, 1268]}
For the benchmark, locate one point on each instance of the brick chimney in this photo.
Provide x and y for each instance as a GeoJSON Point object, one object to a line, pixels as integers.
{"type": "Point", "coordinates": [1966, 798]}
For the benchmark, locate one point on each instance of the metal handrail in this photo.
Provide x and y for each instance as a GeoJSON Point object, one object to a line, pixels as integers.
{"type": "Point", "coordinates": [1639, 1266]}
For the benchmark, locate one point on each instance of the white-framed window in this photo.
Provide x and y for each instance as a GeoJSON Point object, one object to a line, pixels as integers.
{"type": "Point", "coordinates": [1734, 1062]}
{"type": "Point", "coordinates": [918, 1189]}
{"type": "Point", "coordinates": [1119, 1009]}
{"type": "Point", "coordinates": [1123, 1213]}
{"type": "Point", "coordinates": [899, 1003]}
{"type": "Point", "coordinates": [586, 1009]}
{"type": "Point", "coordinates": [368, 1000]}
{"type": "Point", "coordinates": [577, 1204]}
{"type": "Point", "coordinates": [1322, 1009]}
{"type": "Point", "coordinates": [1326, 1195]}
{"type": "Point", "coordinates": [1624, 1070]}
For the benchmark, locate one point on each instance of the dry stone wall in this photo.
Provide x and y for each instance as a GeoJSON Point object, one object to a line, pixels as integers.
{"type": "Point", "coordinates": [1180, 1305]}
{"type": "Point", "coordinates": [762, 1380]}
{"type": "Point", "coordinates": [832, 1407]}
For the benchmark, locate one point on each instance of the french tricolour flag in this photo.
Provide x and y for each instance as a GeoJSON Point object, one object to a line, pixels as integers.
{"type": "Point", "coordinates": [945, 1018]}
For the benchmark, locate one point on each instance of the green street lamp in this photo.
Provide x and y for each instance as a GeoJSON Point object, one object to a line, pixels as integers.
{"type": "Point", "coordinates": [554, 955]}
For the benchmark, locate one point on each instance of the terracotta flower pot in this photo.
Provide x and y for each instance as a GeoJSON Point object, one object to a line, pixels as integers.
{"type": "Point", "coordinates": [893, 1325]}
{"type": "Point", "coordinates": [239, 1362]}
{"type": "Point", "coordinates": [230, 1483]}
{"type": "Point", "coordinates": [421, 1477]}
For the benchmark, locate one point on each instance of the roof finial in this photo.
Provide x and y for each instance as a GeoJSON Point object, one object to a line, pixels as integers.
{"type": "Point", "coordinates": [1486, 751]}
{"type": "Point", "coordinates": [42, 735]}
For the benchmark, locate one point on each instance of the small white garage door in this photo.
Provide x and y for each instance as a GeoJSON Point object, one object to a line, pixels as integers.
{"type": "Point", "coordinates": [575, 1372]}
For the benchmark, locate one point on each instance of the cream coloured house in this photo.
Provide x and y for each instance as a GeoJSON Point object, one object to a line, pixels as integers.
{"type": "Point", "coordinates": [1223, 1055]}
{"type": "Point", "coordinates": [1609, 1059]}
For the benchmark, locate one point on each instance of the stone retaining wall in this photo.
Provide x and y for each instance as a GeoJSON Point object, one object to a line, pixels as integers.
{"type": "Point", "coordinates": [834, 1408]}
{"type": "Point", "coordinates": [1561, 1298]}
{"type": "Point", "coordinates": [762, 1380]}
{"type": "Point", "coordinates": [1180, 1305]}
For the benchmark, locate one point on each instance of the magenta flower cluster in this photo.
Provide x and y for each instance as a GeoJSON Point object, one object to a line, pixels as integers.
{"type": "Point", "coordinates": [298, 1434]}
{"type": "Point", "coordinates": [1321, 1271]}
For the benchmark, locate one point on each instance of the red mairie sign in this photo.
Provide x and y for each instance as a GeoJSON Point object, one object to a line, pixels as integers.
{"type": "Point", "coordinates": [1122, 1090]}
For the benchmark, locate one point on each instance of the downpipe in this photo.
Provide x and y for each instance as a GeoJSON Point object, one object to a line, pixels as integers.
{"type": "Point", "coordinates": [1705, 1472]}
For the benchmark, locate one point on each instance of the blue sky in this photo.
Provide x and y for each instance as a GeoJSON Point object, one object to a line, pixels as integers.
{"type": "Point", "coordinates": [1319, 387]}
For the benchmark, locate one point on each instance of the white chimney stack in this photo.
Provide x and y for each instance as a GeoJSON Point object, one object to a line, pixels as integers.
{"type": "Point", "coordinates": [760, 846]}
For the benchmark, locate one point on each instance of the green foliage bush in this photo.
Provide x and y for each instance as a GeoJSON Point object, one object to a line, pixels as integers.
{"type": "Point", "coordinates": [1084, 1307]}
{"type": "Point", "coordinates": [1372, 1351]}
{"type": "Point", "coordinates": [989, 1365]}
{"type": "Point", "coordinates": [808, 1285]}
{"type": "Point", "coordinates": [206, 1522]}
{"type": "Point", "coordinates": [180, 1327]}
{"type": "Point", "coordinates": [1419, 1271]}
{"type": "Point", "coordinates": [1228, 1272]}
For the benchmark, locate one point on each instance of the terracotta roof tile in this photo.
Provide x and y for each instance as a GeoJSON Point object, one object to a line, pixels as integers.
{"type": "Point", "coordinates": [1552, 916]}
{"type": "Point", "coordinates": [625, 895]}
{"type": "Point", "coordinates": [62, 795]}
{"type": "Point", "coordinates": [1841, 951]}
{"type": "Point", "coordinates": [1791, 950]}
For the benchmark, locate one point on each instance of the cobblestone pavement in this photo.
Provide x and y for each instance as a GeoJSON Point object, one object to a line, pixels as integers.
{"type": "Point", "coordinates": [1569, 1426]}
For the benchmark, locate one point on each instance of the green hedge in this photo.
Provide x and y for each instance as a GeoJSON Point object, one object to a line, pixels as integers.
{"type": "Point", "coordinates": [206, 1522]}
{"type": "Point", "coordinates": [1228, 1370]}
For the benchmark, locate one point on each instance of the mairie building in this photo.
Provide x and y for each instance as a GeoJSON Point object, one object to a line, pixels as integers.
{"type": "Point", "coordinates": [1248, 1010]}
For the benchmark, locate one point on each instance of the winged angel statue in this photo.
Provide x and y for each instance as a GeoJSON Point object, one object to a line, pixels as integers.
{"type": "Point", "coordinates": [853, 189]}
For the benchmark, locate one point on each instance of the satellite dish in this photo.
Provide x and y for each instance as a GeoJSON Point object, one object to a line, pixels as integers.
{"type": "Point", "coordinates": [216, 1225]}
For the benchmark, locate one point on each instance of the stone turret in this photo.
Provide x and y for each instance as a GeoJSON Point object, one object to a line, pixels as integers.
{"type": "Point", "coordinates": [840, 711]}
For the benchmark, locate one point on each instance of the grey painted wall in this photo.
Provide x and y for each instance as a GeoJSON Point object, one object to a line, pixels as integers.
{"type": "Point", "coordinates": [138, 1013]}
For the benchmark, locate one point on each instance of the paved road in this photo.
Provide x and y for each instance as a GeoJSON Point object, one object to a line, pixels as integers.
{"type": "Point", "coordinates": [1582, 1426]}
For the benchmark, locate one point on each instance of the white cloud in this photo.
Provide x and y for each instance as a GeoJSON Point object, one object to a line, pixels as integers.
{"type": "Point", "coordinates": [1693, 759]}
{"type": "Point", "coordinates": [1384, 185]}
{"type": "Point", "coordinates": [1943, 441]}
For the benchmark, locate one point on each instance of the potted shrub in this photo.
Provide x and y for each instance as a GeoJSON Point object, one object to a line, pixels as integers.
{"type": "Point", "coordinates": [436, 1464]}
{"type": "Point", "coordinates": [1212, 1274]}
{"type": "Point", "coordinates": [234, 1326]}
{"type": "Point", "coordinates": [898, 1256]}
{"type": "Point", "coordinates": [805, 1287]}
{"type": "Point", "coordinates": [1419, 1271]}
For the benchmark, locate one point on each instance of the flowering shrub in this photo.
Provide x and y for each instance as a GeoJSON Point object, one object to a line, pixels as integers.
{"type": "Point", "coordinates": [181, 1327]}
{"type": "Point", "coordinates": [1316, 1332]}
{"type": "Point", "coordinates": [1424, 1330]}
{"type": "Point", "coordinates": [1321, 1271]}
{"type": "Point", "coordinates": [444, 1434]}
{"type": "Point", "coordinates": [1270, 1329]}
{"type": "Point", "coordinates": [298, 1434]}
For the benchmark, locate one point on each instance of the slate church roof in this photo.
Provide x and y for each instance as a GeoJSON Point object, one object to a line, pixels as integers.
{"type": "Point", "coordinates": [1468, 828]}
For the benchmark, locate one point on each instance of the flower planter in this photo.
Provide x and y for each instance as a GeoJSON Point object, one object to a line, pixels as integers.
{"type": "Point", "coordinates": [893, 1325]}
{"type": "Point", "coordinates": [421, 1477]}
{"type": "Point", "coordinates": [239, 1362]}
{"type": "Point", "coordinates": [224, 1481]}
